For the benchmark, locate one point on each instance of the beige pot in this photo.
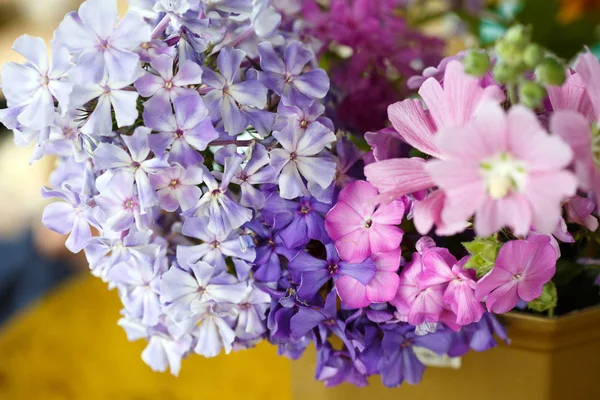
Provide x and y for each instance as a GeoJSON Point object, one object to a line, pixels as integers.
{"type": "Point", "coordinates": [548, 359]}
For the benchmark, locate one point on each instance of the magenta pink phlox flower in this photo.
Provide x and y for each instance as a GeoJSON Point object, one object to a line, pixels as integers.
{"type": "Point", "coordinates": [360, 227]}
{"type": "Point", "coordinates": [522, 268]}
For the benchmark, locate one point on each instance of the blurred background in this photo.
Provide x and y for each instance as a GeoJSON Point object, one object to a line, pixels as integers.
{"type": "Point", "coordinates": [45, 344]}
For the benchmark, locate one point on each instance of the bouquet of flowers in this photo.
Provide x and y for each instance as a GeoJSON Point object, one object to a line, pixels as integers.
{"type": "Point", "coordinates": [233, 191]}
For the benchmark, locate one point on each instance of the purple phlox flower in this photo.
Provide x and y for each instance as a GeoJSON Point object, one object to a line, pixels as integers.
{"type": "Point", "coordinates": [138, 281]}
{"type": "Point", "coordinates": [299, 221]}
{"type": "Point", "coordinates": [325, 320]}
{"type": "Point", "coordinates": [112, 248]}
{"type": "Point", "coordinates": [579, 211]}
{"type": "Point", "coordinates": [241, 8]}
{"type": "Point", "coordinates": [287, 77]}
{"type": "Point", "coordinates": [232, 100]}
{"type": "Point", "coordinates": [136, 162]}
{"type": "Point", "coordinates": [252, 313]}
{"type": "Point", "coordinates": [177, 187]}
{"type": "Point", "coordinates": [214, 249]}
{"type": "Point", "coordinates": [148, 51]}
{"type": "Point", "coordinates": [33, 86]}
{"type": "Point", "coordinates": [441, 268]}
{"type": "Point", "coordinates": [312, 273]}
{"type": "Point", "coordinates": [69, 216]}
{"type": "Point", "coordinates": [415, 82]}
{"type": "Point", "coordinates": [68, 139]}
{"type": "Point", "coordinates": [224, 213]}
{"type": "Point", "coordinates": [166, 87]}
{"type": "Point", "coordinates": [478, 336]}
{"type": "Point", "coordinates": [255, 171]}
{"type": "Point", "coordinates": [268, 249]}
{"type": "Point", "coordinates": [99, 47]}
{"type": "Point", "coordinates": [174, 7]}
{"type": "Point", "coordinates": [180, 288]}
{"type": "Point", "coordinates": [211, 324]}
{"type": "Point", "coordinates": [399, 362]}
{"type": "Point", "coordinates": [164, 351]}
{"type": "Point", "coordinates": [336, 367]}
{"type": "Point", "coordinates": [184, 132]}
{"type": "Point", "coordinates": [109, 94]}
{"type": "Point", "coordinates": [348, 156]}
{"type": "Point", "coordinates": [387, 144]}
{"type": "Point", "coordinates": [121, 205]}
{"type": "Point", "coordinates": [300, 158]}
{"type": "Point", "coordinates": [301, 118]}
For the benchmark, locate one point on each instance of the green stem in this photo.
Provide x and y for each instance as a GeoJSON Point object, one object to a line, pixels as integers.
{"type": "Point", "coordinates": [512, 94]}
{"type": "Point", "coordinates": [551, 312]}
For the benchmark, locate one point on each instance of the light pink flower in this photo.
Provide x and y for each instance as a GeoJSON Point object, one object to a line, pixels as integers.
{"type": "Point", "coordinates": [572, 122]}
{"type": "Point", "coordinates": [413, 305]}
{"type": "Point", "coordinates": [359, 227]}
{"type": "Point", "coordinates": [505, 169]}
{"type": "Point", "coordinates": [441, 269]}
{"type": "Point", "coordinates": [522, 268]}
{"type": "Point", "coordinates": [453, 105]}
{"type": "Point", "coordinates": [381, 289]}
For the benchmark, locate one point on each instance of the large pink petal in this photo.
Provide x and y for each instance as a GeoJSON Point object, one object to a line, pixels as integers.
{"type": "Point", "coordinates": [503, 299]}
{"type": "Point", "coordinates": [589, 68]}
{"type": "Point", "coordinates": [383, 238]}
{"type": "Point", "coordinates": [389, 214]}
{"type": "Point", "coordinates": [574, 129]}
{"type": "Point", "coordinates": [361, 196]}
{"type": "Point", "coordinates": [382, 288]}
{"type": "Point", "coordinates": [436, 270]}
{"type": "Point", "coordinates": [513, 211]}
{"type": "Point", "coordinates": [427, 306]}
{"type": "Point", "coordinates": [530, 143]}
{"type": "Point", "coordinates": [463, 303]}
{"type": "Point", "coordinates": [497, 277]}
{"type": "Point", "coordinates": [352, 292]}
{"type": "Point", "coordinates": [427, 212]}
{"type": "Point", "coordinates": [342, 220]}
{"type": "Point", "coordinates": [414, 125]}
{"type": "Point", "coordinates": [388, 261]}
{"type": "Point", "coordinates": [572, 96]}
{"type": "Point", "coordinates": [398, 177]}
{"type": "Point", "coordinates": [545, 193]}
{"type": "Point", "coordinates": [355, 247]}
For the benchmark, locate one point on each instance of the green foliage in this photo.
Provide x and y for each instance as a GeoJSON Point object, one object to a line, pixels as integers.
{"type": "Point", "coordinates": [484, 252]}
{"type": "Point", "coordinates": [547, 301]}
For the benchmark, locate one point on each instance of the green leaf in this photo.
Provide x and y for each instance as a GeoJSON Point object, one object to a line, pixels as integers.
{"type": "Point", "coordinates": [547, 301]}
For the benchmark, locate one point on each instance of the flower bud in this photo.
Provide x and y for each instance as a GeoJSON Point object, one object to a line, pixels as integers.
{"type": "Point", "coordinates": [476, 63]}
{"type": "Point", "coordinates": [509, 52]}
{"type": "Point", "coordinates": [505, 73]}
{"type": "Point", "coordinates": [533, 55]}
{"type": "Point", "coordinates": [518, 35]}
{"type": "Point", "coordinates": [531, 93]}
{"type": "Point", "coordinates": [550, 72]}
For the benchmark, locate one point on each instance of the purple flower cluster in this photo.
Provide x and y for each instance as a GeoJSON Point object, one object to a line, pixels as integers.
{"type": "Point", "coordinates": [196, 169]}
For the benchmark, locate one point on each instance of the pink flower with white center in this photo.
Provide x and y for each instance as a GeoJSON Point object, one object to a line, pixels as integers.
{"type": "Point", "coordinates": [382, 287]}
{"type": "Point", "coordinates": [452, 105]}
{"type": "Point", "coordinates": [178, 187]}
{"type": "Point", "coordinates": [359, 227]}
{"type": "Point", "coordinates": [522, 268]}
{"type": "Point", "coordinates": [573, 123]}
{"type": "Point", "coordinates": [505, 169]}
{"type": "Point", "coordinates": [440, 268]}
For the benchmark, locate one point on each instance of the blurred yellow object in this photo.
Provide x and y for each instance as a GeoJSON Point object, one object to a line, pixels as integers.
{"type": "Point", "coordinates": [549, 359]}
{"type": "Point", "coordinates": [69, 347]}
